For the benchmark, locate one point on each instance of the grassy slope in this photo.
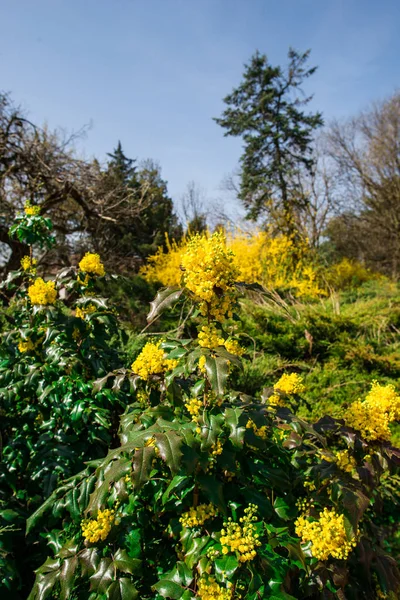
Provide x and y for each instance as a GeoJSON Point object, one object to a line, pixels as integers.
{"type": "Point", "coordinates": [339, 345]}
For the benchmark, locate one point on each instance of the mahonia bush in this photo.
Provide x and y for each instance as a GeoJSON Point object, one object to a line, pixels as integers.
{"type": "Point", "coordinates": [52, 419]}
{"type": "Point", "coordinates": [211, 493]}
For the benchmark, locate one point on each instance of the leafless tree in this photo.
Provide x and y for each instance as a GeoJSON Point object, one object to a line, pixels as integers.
{"type": "Point", "coordinates": [41, 166]}
{"type": "Point", "coordinates": [366, 150]}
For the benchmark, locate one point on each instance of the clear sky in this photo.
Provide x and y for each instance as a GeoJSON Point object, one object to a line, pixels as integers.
{"type": "Point", "coordinates": [152, 73]}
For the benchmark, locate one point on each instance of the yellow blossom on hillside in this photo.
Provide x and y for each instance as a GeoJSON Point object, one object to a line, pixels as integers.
{"type": "Point", "coordinates": [241, 538]}
{"type": "Point", "coordinates": [151, 361]}
{"type": "Point", "coordinates": [327, 535]}
{"type": "Point", "coordinates": [92, 264]}
{"type": "Point", "coordinates": [30, 210]}
{"type": "Point", "coordinates": [276, 262]}
{"type": "Point", "coordinates": [197, 516]}
{"type": "Point", "coordinates": [372, 416]}
{"type": "Point", "coordinates": [42, 292]}
{"type": "Point", "coordinates": [94, 530]}
{"type": "Point", "coordinates": [290, 384]}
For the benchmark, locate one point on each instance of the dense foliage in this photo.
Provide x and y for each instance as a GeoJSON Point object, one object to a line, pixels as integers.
{"type": "Point", "coordinates": [209, 492]}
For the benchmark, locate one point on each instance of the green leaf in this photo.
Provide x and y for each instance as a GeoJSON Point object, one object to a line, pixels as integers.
{"type": "Point", "coordinates": [123, 562]}
{"type": "Point", "coordinates": [217, 371]}
{"type": "Point", "coordinates": [175, 483]}
{"type": "Point", "coordinates": [232, 418]}
{"type": "Point", "coordinates": [164, 299]}
{"type": "Point", "coordinates": [123, 589]}
{"type": "Point", "coordinates": [169, 589]}
{"type": "Point", "coordinates": [142, 462]}
{"type": "Point", "coordinates": [225, 567]}
{"type": "Point", "coordinates": [169, 446]}
{"type": "Point", "coordinates": [68, 568]}
{"type": "Point", "coordinates": [285, 510]}
{"type": "Point", "coordinates": [103, 576]}
{"type": "Point", "coordinates": [89, 559]}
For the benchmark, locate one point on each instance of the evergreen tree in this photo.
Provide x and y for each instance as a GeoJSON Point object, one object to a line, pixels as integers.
{"type": "Point", "coordinates": [267, 111]}
{"type": "Point", "coordinates": [120, 166]}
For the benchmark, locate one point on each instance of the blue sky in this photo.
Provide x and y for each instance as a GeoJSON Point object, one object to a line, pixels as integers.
{"type": "Point", "coordinates": [153, 73]}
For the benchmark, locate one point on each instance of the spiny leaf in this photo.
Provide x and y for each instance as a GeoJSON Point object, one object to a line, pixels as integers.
{"type": "Point", "coordinates": [164, 299]}
{"type": "Point", "coordinates": [217, 372]}
{"type": "Point", "coordinates": [123, 589]}
{"type": "Point", "coordinates": [142, 465]}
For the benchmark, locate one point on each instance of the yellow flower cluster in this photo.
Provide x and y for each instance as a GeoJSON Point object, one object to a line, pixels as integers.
{"type": "Point", "coordinates": [217, 448]}
{"type": "Point", "coordinates": [209, 273]}
{"type": "Point", "coordinates": [42, 292]}
{"type": "Point", "coordinates": [202, 364]}
{"type": "Point", "coordinates": [276, 262]}
{"type": "Point", "coordinates": [31, 211]}
{"type": "Point", "coordinates": [276, 400]}
{"type": "Point", "coordinates": [26, 345]}
{"type": "Point", "coordinates": [94, 530]}
{"type": "Point", "coordinates": [259, 431]}
{"type": "Point", "coordinates": [344, 461]}
{"type": "Point", "coordinates": [28, 264]}
{"type": "Point", "coordinates": [342, 458]}
{"type": "Point", "coordinates": [234, 347]}
{"type": "Point", "coordinates": [197, 516]}
{"type": "Point", "coordinates": [151, 361]}
{"type": "Point", "coordinates": [372, 416]}
{"type": "Point", "coordinates": [81, 313]}
{"type": "Point", "coordinates": [209, 337]}
{"type": "Point", "coordinates": [209, 589]}
{"type": "Point", "coordinates": [327, 535]}
{"type": "Point", "coordinates": [92, 264]}
{"type": "Point", "coordinates": [241, 538]}
{"type": "Point", "coordinates": [290, 384]}
{"type": "Point", "coordinates": [194, 406]}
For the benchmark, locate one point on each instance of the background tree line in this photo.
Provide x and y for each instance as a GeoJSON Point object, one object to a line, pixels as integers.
{"type": "Point", "coordinates": [337, 184]}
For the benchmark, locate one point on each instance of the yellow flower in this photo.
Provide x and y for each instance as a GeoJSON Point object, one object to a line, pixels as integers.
{"type": "Point", "coordinates": [342, 458]}
{"type": "Point", "coordinates": [276, 400]}
{"type": "Point", "coordinates": [30, 210]}
{"type": "Point", "coordinates": [327, 535]}
{"type": "Point", "coordinates": [241, 538]}
{"type": "Point", "coordinates": [194, 407]}
{"type": "Point", "coordinates": [202, 363]}
{"type": "Point", "coordinates": [234, 347]}
{"type": "Point", "coordinates": [197, 516]}
{"type": "Point", "coordinates": [290, 384]}
{"type": "Point", "coordinates": [28, 264]}
{"type": "Point", "coordinates": [98, 529]}
{"type": "Point", "coordinates": [209, 337]}
{"type": "Point", "coordinates": [209, 589]}
{"type": "Point", "coordinates": [259, 431]}
{"type": "Point", "coordinates": [151, 361]}
{"type": "Point", "coordinates": [26, 346]}
{"type": "Point", "coordinates": [91, 263]}
{"type": "Point", "coordinates": [42, 292]}
{"type": "Point", "coordinates": [372, 416]}
{"type": "Point", "coordinates": [209, 273]}
{"type": "Point", "coordinates": [81, 313]}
